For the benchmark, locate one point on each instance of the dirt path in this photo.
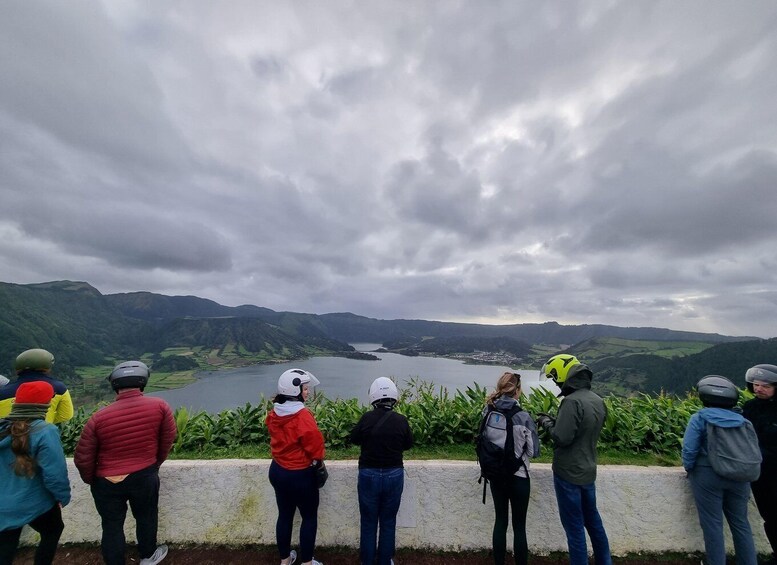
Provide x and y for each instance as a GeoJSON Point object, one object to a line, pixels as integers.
{"type": "Point", "coordinates": [83, 555]}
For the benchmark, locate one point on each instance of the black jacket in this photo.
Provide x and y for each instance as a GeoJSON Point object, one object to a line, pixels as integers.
{"type": "Point", "coordinates": [382, 448]}
{"type": "Point", "coordinates": [763, 415]}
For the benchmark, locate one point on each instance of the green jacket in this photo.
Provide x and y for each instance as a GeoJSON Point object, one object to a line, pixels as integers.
{"type": "Point", "coordinates": [576, 431]}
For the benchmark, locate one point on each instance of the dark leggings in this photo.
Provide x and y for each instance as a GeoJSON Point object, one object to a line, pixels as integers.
{"type": "Point", "coordinates": [765, 494]}
{"type": "Point", "coordinates": [295, 489]}
{"type": "Point", "coordinates": [514, 492]}
{"type": "Point", "coordinates": [49, 525]}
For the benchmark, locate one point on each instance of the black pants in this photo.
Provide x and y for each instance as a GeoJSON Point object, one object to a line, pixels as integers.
{"type": "Point", "coordinates": [765, 494]}
{"type": "Point", "coordinates": [515, 493]}
{"type": "Point", "coordinates": [293, 490]}
{"type": "Point", "coordinates": [141, 490]}
{"type": "Point", "coordinates": [49, 525]}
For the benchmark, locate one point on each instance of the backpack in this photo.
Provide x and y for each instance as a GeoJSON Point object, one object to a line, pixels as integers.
{"type": "Point", "coordinates": [734, 452]}
{"type": "Point", "coordinates": [496, 456]}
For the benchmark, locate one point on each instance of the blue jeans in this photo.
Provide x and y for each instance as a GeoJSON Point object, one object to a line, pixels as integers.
{"type": "Point", "coordinates": [380, 491]}
{"type": "Point", "coordinates": [716, 496]}
{"type": "Point", "coordinates": [578, 513]}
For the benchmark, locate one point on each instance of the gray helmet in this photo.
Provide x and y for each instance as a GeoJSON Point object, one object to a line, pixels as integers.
{"type": "Point", "coordinates": [34, 360]}
{"type": "Point", "coordinates": [130, 374]}
{"type": "Point", "coordinates": [717, 391]}
{"type": "Point", "coordinates": [763, 373]}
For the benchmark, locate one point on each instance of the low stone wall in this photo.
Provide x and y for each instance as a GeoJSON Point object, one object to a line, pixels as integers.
{"type": "Point", "coordinates": [645, 509]}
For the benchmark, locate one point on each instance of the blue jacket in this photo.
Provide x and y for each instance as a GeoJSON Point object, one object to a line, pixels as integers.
{"type": "Point", "coordinates": [695, 438]}
{"type": "Point", "coordinates": [23, 499]}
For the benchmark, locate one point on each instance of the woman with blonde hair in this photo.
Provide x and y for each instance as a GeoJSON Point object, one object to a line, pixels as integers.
{"type": "Point", "coordinates": [504, 423]}
{"type": "Point", "coordinates": [33, 475]}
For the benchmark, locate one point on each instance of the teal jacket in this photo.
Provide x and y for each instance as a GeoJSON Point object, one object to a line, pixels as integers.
{"type": "Point", "coordinates": [23, 499]}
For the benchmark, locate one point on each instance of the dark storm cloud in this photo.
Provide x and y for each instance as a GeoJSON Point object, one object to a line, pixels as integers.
{"type": "Point", "coordinates": [586, 162]}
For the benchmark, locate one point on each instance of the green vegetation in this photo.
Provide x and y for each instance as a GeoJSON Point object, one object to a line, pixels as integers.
{"type": "Point", "coordinates": [645, 430]}
{"type": "Point", "coordinates": [598, 349]}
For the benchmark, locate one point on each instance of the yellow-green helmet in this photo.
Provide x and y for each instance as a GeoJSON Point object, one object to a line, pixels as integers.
{"type": "Point", "coordinates": [34, 360]}
{"type": "Point", "coordinates": [558, 366]}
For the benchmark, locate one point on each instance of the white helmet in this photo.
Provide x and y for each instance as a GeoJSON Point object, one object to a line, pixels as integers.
{"type": "Point", "coordinates": [383, 387]}
{"type": "Point", "coordinates": [291, 381]}
{"type": "Point", "coordinates": [3, 380]}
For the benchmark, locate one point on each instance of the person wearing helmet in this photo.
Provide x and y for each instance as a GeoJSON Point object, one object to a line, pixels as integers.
{"type": "Point", "coordinates": [31, 366]}
{"type": "Point", "coordinates": [716, 496]}
{"type": "Point", "coordinates": [762, 412]}
{"type": "Point", "coordinates": [118, 455]}
{"type": "Point", "coordinates": [34, 485]}
{"type": "Point", "coordinates": [297, 449]}
{"type": "Point", "coordinates": [512, 491]}
{"type": "Point", "coordinates": [574, 434]}
{"type": "Point", "coordinates": [383, 435]}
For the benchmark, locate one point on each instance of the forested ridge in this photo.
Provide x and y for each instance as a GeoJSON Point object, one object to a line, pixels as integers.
{"type": "Point", "coordinates": [86, 328]}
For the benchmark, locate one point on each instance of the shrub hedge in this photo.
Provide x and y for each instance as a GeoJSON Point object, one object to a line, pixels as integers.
{"type": "Point", "coordinates": [641, 424]}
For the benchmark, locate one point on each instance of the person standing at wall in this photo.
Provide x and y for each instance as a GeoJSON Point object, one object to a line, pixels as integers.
{"type": "Point", "coordinates": [119, 454]}
{"type": "Point", "coordinates": [297, 448]}
{"type": "Point", "coordinates": [34, 485]}
{"type": "Point", "coordinates": [383, 435]}
{"type": "Point", "coordinates": [715, 495]}
{"type": "Point", "coordinates": [762, 412]}
{"type": "Point", "coordinates": [575, 433]}
{"type": "Point", "coordinates": [505, 424]}
{"type": "Point", "coordinates": [31, 366]}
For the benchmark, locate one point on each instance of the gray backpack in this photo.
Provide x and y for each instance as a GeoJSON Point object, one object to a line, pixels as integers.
{"type": "Point", "coordinates": [734, 452]}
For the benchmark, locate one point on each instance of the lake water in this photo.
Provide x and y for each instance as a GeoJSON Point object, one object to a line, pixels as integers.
{"type": "Point", "coordinates": [340, 378]}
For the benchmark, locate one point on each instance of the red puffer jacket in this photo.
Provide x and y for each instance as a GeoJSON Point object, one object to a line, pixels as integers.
{"type": "Point", "coordinates": [131, 434]}
{"type": "Point", "coordinates": [295, 440]}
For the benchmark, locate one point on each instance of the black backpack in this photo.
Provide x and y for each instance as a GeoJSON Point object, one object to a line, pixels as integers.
{"type": "Point", "coordinates": [497, 462]}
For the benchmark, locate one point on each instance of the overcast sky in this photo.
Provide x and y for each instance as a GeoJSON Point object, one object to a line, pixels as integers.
{"type": "Point", "coordinates": [496, 162]}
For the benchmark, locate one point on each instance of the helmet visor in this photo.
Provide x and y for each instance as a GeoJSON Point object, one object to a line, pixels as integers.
{"type": "Point", "coordinates": [312, 382]}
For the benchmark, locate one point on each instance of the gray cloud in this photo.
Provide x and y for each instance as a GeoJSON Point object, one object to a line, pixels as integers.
{"type": "Point", "coordinates": [586, 163]}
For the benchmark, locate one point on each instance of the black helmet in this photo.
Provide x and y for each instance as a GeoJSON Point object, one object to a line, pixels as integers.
{"type": "Point", "coordinates": [130, 374]}
{"type": "Point", "coordinates": [717, 391]}
{"type": "Point", "coordinates": [763, 373]}
{"type": "Point", "coordinates": [34, 360]}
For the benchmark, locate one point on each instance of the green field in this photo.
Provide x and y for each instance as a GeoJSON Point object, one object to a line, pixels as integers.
{"type": "Point", "coordinates": [602, 348]}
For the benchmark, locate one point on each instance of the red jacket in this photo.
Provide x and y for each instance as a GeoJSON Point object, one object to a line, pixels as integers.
{"type": "Point", "coordinates": [131, 434]}
{"type": "Point", "coordinates": [295, 440]}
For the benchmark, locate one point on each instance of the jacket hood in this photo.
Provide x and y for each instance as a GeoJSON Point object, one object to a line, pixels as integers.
{"type": "Point", "coordinates": [288, 408]}
{"type": "Point", "coordinates": [5, 441]}
{"type": "Point", "coordinates": [721, 417]}
{"type": "Point", "coordinates": [505, 403]}
{"type": "Point", "coordinates": [578, 381]}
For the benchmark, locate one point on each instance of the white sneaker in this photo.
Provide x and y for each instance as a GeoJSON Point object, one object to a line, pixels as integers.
{"type": "Point", "coordinates": [292, 557]}
{"type": "Point", "coordinates": [159, 554]}
{"type": "Point", "coordinates": [314, 562]}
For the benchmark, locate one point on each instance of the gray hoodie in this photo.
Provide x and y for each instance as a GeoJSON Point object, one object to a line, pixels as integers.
{"type": "Point", "coordinates": [576, 431]}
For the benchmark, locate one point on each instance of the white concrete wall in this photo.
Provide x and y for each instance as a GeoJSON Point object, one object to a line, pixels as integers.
{"type": "Point", "coordinates": [648, 509]}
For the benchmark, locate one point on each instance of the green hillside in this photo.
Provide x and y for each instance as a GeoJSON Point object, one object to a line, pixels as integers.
{"type": "Point", "coordinates": [70, 319]}
{"type": "Point", "coordinates": [674, 370]}
{"type": "Point", "coordinates": [88, 332]}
